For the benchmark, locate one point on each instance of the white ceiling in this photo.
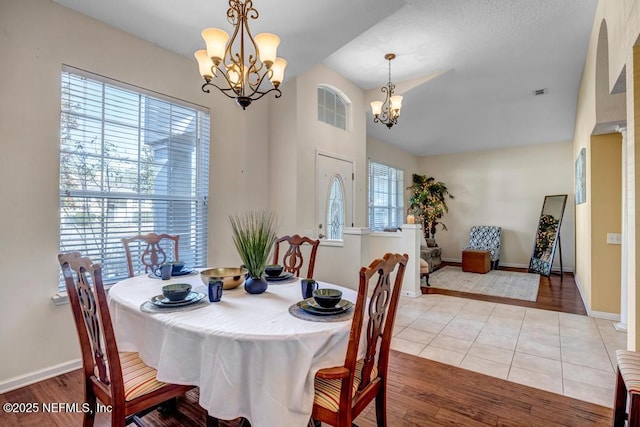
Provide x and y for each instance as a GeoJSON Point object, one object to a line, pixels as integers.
{"type": "Point", "coordinates": [489, 55]}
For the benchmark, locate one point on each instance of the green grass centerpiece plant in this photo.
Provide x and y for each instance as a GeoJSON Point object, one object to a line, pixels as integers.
{"type": "Point", "coordinates": [253, 236]}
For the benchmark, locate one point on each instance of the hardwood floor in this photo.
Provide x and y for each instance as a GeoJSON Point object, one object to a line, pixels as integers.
{"type": "Point", "coordinates": [556, 293]}
{"type": "Point", "coordinates": [421, 392]}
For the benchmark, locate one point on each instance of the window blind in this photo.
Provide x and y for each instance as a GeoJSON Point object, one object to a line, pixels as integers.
{"type": "Point", "coordinates": [386, 201]}
{"type": "Point", "coordinates": [130, 163]}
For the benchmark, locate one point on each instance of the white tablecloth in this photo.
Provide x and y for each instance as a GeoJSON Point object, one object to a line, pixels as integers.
{"type": "Point", "coordinates": [248, 355]}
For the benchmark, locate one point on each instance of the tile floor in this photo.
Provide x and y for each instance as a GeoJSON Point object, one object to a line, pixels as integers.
{"type": "Point", "coordinates": [563, 353]}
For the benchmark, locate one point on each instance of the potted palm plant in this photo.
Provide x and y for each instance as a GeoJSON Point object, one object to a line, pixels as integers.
{"type": "Point", "coordinates": [428, 203]}
{"type": "Point", "coordinates": [253, 236]}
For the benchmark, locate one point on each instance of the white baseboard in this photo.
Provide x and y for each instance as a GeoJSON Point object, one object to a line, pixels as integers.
{"type": "Point", "coordinates": [584, 300]}
{"type": "Point", "coordinates": [512, 265]}
{"type": "Point", "coordinates": [410, 294]}
{"type": "Point", "coordinates": [604, 315]}
{"type": "Point", "coordinates": [621, 327]}
{"type": "Point", "coordinates": [42, 374]}
{"type": "Point", "coordinates": [592, 313]}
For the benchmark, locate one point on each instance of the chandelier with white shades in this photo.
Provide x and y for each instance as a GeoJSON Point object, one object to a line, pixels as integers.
{"type": "Point", "coordinates": [239, 65]}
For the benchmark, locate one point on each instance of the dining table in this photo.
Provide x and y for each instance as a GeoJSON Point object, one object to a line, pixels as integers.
{"type": "Point", "coordinates": [251, 355]}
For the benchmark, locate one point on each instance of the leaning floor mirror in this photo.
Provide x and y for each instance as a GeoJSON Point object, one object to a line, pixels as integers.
{"type": "Point", "coordinates": [548, 235]}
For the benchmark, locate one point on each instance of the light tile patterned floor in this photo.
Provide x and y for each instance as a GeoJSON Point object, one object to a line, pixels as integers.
{"type": "Point", "coordinates": [563, 353]}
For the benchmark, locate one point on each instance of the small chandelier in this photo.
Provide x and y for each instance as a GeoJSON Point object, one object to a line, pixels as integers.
{"type": "Point", "coordinates": [240, 73]}
{"type": "Point", "coordinates": [387, 112]}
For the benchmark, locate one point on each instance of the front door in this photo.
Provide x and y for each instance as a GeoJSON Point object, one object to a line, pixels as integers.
{"type": "Point", "coordinates": [334, 189]}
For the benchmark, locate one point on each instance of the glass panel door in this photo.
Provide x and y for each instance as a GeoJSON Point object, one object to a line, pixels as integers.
{"type": "Point", "coordinates": [334, 189]}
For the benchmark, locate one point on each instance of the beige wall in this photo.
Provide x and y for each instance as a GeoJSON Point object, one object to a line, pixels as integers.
{"type": "Point", "coordinates": [36, 38]}
{"type": "Point", "coordinates": [610, 108]}
{"type": "Point", "coordinates": [633, 195]}
{"type": "Point", "coordinates": [40, 36]}
{"type": "Point", "coordinates": [318, 136]}
{"type": "Point", "coordinates": [296, 139]}
{"type": "Point", "coordinates": [606, 217]}
{"type": "Point", "coordinates": [621, 20]}
{"type": "Point", "coordinates": [283, 151]}
{"type": "Point", "coordinates": [495, 187]}
{"type": "Point", "coordinates": [505, 188]}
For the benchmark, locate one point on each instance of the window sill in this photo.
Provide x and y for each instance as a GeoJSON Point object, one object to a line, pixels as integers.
{"type": "Point", "coordinates": [334, 243]}
{"type": "Point", "coordinates": [62, 298]}
{"type": "Point", "coordinates": [390, 234]}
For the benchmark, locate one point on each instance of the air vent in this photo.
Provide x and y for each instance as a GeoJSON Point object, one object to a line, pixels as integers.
{"type": "Point", "coordinates": [541, 91]}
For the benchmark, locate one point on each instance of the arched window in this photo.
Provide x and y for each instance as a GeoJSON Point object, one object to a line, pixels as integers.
{"type": "Point", "coordinates": [332, 107]}
{"type": "Point", "coordinates": [335, 210]}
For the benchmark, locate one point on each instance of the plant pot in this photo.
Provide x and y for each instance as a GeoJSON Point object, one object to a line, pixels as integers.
{"type": "Point", "coordinates": [255, 285]}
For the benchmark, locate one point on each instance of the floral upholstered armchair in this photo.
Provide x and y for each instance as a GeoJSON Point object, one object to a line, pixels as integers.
{"type": "Point", "coordinates": [431, 253]}
{"type": "Point", "coordinates": [487, 238]}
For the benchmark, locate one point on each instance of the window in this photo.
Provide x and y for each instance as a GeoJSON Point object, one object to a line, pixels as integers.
{"type": "Point", "coordinates": [335, 210]}
{"type": "Point", "coordinates": [130, 163]}
{"type": "Point", "coordinates": [386, 201]}
{"type": "Point", "coordinates": [332, 108]}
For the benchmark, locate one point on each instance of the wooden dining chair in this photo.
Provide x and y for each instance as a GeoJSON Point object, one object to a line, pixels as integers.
{"type": "Point", "coordinates": [152, 248]}
{"type": "Point", "coordinates": [121, 380]}
{"type": "Point", "coordinates": [342, 392]}
{"type": "Point", "coordinates": [292, 259]}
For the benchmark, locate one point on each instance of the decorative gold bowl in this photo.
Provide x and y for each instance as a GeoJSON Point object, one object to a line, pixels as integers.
{"type": "Point", "coordinates": [231, 277]}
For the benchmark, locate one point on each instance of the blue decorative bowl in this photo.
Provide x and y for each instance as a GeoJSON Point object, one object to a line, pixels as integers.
{"type": "Point", "coordinates": [327, 298]}
{"type": "Point", "coordinates": [176, 291]}
{"type": "Point", "coordinates": [273, 270]}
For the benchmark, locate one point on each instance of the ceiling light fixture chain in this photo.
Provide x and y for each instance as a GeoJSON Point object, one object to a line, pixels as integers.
{"type": "Point", "coordinates": [242, 75]}
{"type": "Point", "coordinates": [387, 112]}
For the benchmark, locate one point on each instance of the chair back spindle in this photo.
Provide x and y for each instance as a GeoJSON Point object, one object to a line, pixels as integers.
{"type": "Point", "coordinates": [293, 259]}
{"type": "Point", "coordinates": [337, 402]}
{"type": "Point", "coordinates": [153, 249]}
{"type": "Point", "coordinates": [382, 307]}
{"type": "Point", "coordinates": [121, 380]}
{"type": "Point", "coordinates": [83, 280]}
